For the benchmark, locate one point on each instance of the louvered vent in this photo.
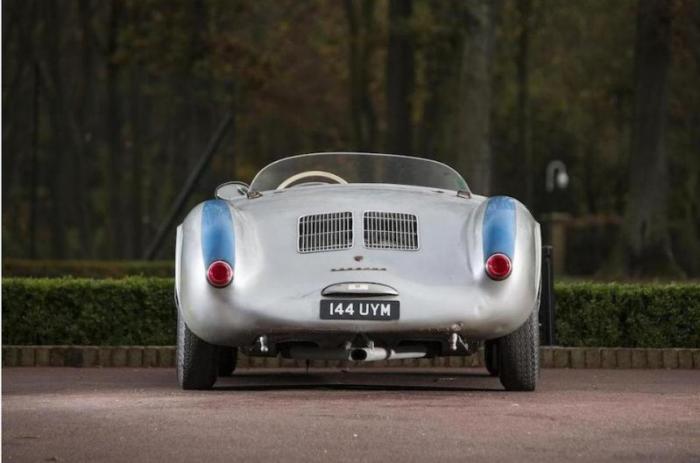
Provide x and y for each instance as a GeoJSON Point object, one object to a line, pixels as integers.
{"type": "Point", "coordinates": [390, 230]}
{"type": "Point", "coordinates": [325, 232]}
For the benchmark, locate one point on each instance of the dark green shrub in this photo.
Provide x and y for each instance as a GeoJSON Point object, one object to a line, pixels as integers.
{"type": "Point", "coordinates": [628, 315]}
{"type": "Point", "coordinates": [94, 312]}
{"type": "Point", "coordinates": [140, 311]}
{"type": "Point", "coordinates": [86, 268]}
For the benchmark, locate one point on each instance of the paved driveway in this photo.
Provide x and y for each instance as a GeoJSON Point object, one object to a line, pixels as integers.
{"type": "Point", "coordinates": [116, 414]}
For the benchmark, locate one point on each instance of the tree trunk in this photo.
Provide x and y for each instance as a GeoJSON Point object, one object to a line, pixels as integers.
{"type": "Point", "coordinates": [84, 133]}
{"type": "Point", "coordinates": [137, 120]}
{"type": "Point", "coordinates": [361, 24]}
{"type": "Point", "coordinates": [34, 176]}
{"type": "Point", "coordinates": [472, 136]}
{"type": "Point", "coordinates": [53, 83]}
{"type": "Point", "coordinates": [523, 105]}
{"type": "Point", "coordinates": [646, 244]}
{"type": "Point", "coordinates": [400, 78]}
{"type": "Point", "coordinates": [113, 126]}
{"type": "Point", "coordinates": [442, 55]}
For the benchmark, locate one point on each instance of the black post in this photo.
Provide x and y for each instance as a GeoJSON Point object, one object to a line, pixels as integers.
{"type": "Point", "coordinates": [187, 189]}
{"type": "Point", "coordinates": [547, 301]}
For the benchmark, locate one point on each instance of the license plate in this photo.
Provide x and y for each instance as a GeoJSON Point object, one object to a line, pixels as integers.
{"type": "Point", "coordinates": [348, 309]}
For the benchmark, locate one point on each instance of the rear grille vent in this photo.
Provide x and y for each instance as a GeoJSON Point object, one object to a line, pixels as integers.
{"type": "Point", "coordinates": [325, 232]}
{"type": "Point", "coordinates": [391, 230]}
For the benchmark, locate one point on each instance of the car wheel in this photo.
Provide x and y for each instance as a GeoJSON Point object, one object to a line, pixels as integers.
{"type": "Point", "coordinates": [518, 356]}
{"type": "Point", "coordinates": [196, 359]}
{"type": "Point", "coordinates": [227, 360]}
{"type": "Point", "coordinates": [491, 357]}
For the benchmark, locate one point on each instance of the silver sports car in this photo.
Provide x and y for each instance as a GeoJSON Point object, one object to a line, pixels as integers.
{"type": "Point", "coordinates": [357, 257]}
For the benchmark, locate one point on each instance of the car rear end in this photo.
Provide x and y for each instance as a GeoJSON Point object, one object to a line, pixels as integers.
{"type": "Point", "coordinates": [327, 270]}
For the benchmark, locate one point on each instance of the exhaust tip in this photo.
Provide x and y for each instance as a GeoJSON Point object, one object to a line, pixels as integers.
{"type": "Point", "coordinates": [358, 355]}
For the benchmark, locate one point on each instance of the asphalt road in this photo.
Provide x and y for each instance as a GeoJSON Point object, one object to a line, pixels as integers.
{"type": "Point", "coordinates": [132, 415]}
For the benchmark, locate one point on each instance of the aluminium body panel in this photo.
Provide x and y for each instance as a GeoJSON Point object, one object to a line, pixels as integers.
{"type": "Point", "coordinates": [276, 290]}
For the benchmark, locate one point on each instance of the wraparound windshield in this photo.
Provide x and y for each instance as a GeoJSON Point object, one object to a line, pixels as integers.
{"type": "Point", "coordinates": [360, 168]}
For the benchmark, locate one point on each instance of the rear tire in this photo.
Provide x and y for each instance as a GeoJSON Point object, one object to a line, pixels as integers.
{"type": "Point", "coordinates": [491, 357]}
{"type": "Point", "coordinates": [228, 357]}
{"type": "Point", "coordinates": [196, 359]}
{"type": "Point", "coordinates": [518, 356]}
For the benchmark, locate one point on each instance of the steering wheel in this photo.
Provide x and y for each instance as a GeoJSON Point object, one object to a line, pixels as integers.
{"type": "Point", "coordinates": [312, 173]}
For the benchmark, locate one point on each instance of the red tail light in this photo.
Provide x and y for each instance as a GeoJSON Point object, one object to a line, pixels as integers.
{"type": "Point", "coordinates": [219, 274]}
{"type": "Point", "coordinates": [498, 266]}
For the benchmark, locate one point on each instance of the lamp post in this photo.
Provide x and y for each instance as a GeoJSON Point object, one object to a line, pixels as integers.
{"type": "Point", "coordinates": [557, 180]}
{"type": "Point", "coordinates": [556, 176]}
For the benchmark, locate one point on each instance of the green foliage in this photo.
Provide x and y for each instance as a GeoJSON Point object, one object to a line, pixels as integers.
{"type": "Point", "coordinates": [130, 311]}
{"type": "Point", "coordinates": [130, 92]}
{"type": "Point", "coordinates": [140, 311]}
{"type": "Point", "coordinates": [628, 315]}
{"type": "Point", "coordinates": [86, 268]}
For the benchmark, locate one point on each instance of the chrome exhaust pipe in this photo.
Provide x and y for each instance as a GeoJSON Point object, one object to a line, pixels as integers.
{"type": "Point", "coordinates": [357, 354]}
{"type": "Point", "coordinates": [373, 354]}
{"type": "Point", "coordinates": [360, 355]}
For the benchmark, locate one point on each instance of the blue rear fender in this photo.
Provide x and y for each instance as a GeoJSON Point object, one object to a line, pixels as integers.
{"type": "Point", "coordinates": [218, 239]}
{"type": "Point", "coordinates": [499, 227]}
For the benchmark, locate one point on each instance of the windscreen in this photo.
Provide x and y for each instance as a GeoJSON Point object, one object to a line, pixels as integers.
{"type": "Point", "coordinates": [335, 168]}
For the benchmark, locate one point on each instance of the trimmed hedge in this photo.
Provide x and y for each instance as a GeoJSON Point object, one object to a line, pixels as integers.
{"type": "Point", "coordinates": [628, 315]}
{"type": "Point", "coordinates": [86, 268]}
{"type": "Point", "coordinates": [140, 311]}
{"type": "Point", "coordinates": [130, 311]}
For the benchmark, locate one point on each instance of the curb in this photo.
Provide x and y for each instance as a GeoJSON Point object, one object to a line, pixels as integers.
{"type": "Point", "coordinates": [164, 357]}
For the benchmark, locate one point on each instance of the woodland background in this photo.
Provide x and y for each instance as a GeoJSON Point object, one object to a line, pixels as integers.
{"type": "Point", "coordinates": [109, 104]}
